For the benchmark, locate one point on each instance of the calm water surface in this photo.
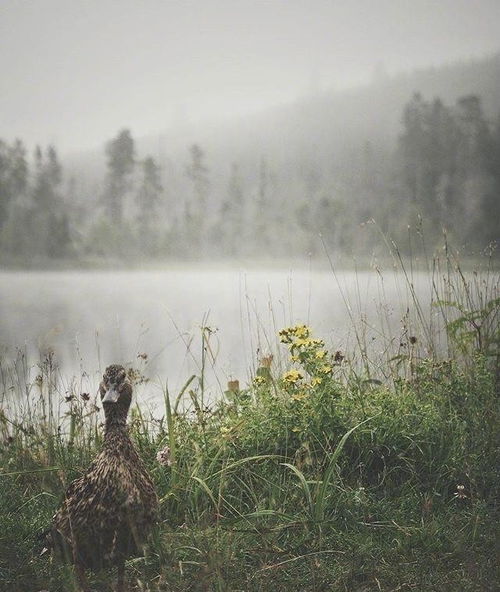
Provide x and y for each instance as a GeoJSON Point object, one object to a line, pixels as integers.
{"type": "Point", "coordinates": [93, 318]}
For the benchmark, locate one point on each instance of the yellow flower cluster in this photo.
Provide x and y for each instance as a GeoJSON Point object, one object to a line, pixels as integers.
{"type": "Point", "coordinates": [292, 376]}
{"type": "Point", "coordinates": [315, 364]}
{"type": "Point", "coordinates": [312, 357]}
{"type": "Point", "coordinates": [290, 334]}
{"type": "Point", "coordinates": [306, 343]}
{"type": "Point", "coordinates": [301, 344]}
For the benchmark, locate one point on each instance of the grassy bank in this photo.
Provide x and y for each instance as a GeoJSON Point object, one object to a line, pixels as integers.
{"type": "Point", "coordinates": [315, 476]}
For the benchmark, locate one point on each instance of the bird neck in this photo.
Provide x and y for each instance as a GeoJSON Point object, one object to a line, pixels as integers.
{"type": "Point", "coordinates": [116, 418]}
{"type": "Point", "coordinates": [116, 437]}
{"type": "Point", "coordinates": [117, 440]}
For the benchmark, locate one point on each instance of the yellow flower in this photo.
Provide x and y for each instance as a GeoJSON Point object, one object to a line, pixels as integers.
{"type": "Point", "coordinates": [320, 354]}
{"type": "Point", "coordinates": [299, 396]}
{"type": "Point", "coordinates": [301, 331]}
{"type": "Point", "coordinates": [292, 376]}
{"type": "Point", "coordinates": [294, 358]}
{"type": "Point", "coordinates": [326, 369]}
{"type": "Point", "coordinates": [298, 332]}
{"type": "Point", "coordinates": [316, 380]}
{"type": "Point", "coordinates": [258, 380]}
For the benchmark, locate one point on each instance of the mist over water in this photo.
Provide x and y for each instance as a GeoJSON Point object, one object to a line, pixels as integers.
{"type": "Point", "coordinates": [94, 318]}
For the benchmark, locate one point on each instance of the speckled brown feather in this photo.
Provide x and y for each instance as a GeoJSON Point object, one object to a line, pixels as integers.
{"type": "Point", "coordinates": [108, 513]}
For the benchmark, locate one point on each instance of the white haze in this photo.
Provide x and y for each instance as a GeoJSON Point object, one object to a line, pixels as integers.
{"type": "Point", "coordinates": [73, 73]}
{"type": "Point", "coordinates": [89, 319]}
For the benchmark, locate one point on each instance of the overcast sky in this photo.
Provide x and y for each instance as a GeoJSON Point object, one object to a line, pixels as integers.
{"type": "Point", "coordinates": [73, 72]}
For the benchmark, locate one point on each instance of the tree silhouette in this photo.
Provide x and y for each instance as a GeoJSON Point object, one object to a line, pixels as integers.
{"type": "Point", "coordinates": [121, 159]}
{"type": "Point", "coordinates": [148, 200]}
{"type": "Point", "coordinates": [13, 176]}
{"type": "Point", "coordinates": [195, 213]}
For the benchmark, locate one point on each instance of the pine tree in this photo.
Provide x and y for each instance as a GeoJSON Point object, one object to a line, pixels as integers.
{"type": "Point", "coordinates": [13, 176]}
{"type": "Point", "coordinates": [412, 143]}
{"type": "Point", "coordinates": [148, 201]}
{"type": "Point", "coordinates": [121, 160]}
{"type": "Point", "coordinates": [262, 213]}
{"type": "Point", "coordinates": [232, 213]}
{"type": "Point", "coordinates": [196, 209]}
{"type": "Point", "coordinates": [52, 232]}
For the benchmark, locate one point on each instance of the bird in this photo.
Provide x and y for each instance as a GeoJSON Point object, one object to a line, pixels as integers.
{"type": "Point", "coordinates": [108, 512]}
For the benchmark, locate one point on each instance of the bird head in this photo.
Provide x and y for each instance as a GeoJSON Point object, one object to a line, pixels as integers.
{"type": "Point", "coordinates": [115, 388]}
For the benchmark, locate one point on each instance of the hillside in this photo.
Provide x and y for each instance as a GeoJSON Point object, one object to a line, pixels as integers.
{"type": "Point", "coordinates": [337, 119]}
{"type": "Point", "coordinates": [330, 120]}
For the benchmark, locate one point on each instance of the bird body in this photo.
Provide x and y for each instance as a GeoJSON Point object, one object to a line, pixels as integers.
{"type": "Point", "coordinates": [108, 512]}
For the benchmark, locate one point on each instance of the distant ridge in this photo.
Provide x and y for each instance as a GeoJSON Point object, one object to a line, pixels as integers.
{"type": "Point", "coordinates": [331, 121]}
{"type": "Point", "coordinates": [368, 113]}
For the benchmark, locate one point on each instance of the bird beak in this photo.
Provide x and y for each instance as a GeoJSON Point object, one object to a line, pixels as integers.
{"type": "Point", "coordinates": [112, 395]}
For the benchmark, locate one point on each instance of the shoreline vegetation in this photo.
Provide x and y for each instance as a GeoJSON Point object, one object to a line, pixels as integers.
{"type": "Point", "coordinates": [319, 474]}
{"type": "Point", "coordinates": [344, 264]}
{"type": "Point", "coordinates": [389, 256]}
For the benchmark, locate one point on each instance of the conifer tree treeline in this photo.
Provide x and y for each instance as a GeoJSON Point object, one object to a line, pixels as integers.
{"type": "Point", "coordinates": [445, 167]}
{"type": "Point", "coordinates": [448, 161]}
{"type": "Point", "coordinates": [33, 220]}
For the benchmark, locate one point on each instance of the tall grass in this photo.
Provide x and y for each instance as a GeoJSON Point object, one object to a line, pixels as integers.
{"type": "Point", "coordinates": [333, 469]}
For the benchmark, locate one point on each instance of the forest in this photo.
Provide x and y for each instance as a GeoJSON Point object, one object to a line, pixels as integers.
{"type": "Point", "coordinates": [307, 191]}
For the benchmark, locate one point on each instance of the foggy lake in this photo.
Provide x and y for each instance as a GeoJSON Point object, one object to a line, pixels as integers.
{"type": "Point", "coordinates": [90, 319]}
{"type": "Point", "coordinates": [277, 222]}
